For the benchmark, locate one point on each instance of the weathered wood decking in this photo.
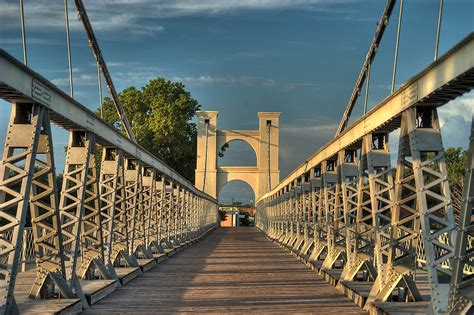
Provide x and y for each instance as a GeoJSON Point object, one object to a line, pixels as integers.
{"type": "Point", "coordinates": [231, 270]}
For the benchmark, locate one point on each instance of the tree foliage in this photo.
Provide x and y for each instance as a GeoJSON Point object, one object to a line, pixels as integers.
{"type": "Point", "coordinates": [160, 115]}
{"type": "Point", "coordinates": [456, 159]}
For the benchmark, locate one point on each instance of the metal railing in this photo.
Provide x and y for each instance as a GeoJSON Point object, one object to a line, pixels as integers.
{"type": "Point", "coordinates": [376, 216]}
{"type": "Point", "coordinates": [444, 239]}
{"type": "Point", "coordinates": [27, 260]}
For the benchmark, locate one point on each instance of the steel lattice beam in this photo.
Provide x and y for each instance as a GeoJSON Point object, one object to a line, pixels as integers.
{"type": "Point", "coordinates": [445, 79]}
{"type": "Point", "coordinates": [19, 83]}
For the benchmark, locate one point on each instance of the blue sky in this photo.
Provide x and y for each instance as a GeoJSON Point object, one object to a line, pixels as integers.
{"type": "Point", "coordinates": [300, 57]}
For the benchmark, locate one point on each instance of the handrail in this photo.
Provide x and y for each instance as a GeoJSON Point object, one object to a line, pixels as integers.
{"type": "Point", "coordinates": [425, 86]}
{"type": "Point", "coordinates": [72, 115]}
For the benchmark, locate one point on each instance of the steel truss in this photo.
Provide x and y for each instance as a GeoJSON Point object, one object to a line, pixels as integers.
{"type": "Point", "coordinates": [461, 295]}
{"type": "Point", "coordinates": [372, 220]}
{"type": "Point", "coordinates": [110, 209]}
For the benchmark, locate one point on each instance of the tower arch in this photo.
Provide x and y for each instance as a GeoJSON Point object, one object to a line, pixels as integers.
{"type": "Point", "coordinates": [236, 190]}
{"type": "Point", "coordinates": [239, 152]}
{"type": "Point", "coordinates": [210, 177]}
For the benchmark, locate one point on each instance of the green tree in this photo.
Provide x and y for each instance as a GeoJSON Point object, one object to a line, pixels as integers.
{"type": "Point", "coordinates": [160, 115]}
{"type": "Point", "coordinates": [456, 159]}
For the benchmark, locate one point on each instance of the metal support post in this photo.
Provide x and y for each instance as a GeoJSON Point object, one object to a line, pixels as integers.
{"type": "Point", "coordinates": [113, 209]}
{"type": "Point", "coordinates": [461, 295]}
{"type": "Point", "coordinates": [79, 188]}
{"type": "Point", "coordinates": [335, 216]}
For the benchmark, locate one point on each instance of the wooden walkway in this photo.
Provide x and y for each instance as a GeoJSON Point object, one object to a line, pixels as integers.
{"type": "Point", "coordinates": [231, 270]}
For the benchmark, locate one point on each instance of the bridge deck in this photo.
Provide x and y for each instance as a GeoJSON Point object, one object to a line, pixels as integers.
{"type": "Point", "coordinates": [232, 270]}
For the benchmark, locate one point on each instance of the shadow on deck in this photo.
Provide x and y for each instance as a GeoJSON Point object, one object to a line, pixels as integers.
{"type": "Point", "coordinates": [231, 270]}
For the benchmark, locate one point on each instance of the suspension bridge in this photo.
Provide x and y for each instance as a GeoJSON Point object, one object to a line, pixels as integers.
{"type": "Point", "coordinates": [344, 232]}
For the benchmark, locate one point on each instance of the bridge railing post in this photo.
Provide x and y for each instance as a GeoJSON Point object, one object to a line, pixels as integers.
{"type": "Point", "coordinates": [143, 210]}
{"type": "Point", "coordinates": [288, 214]}
{"type": "Point", "coordinates": [175, 212]}
{"type": "Point", "coordinates": [168, 207]}
{"type": "Point", "coordinates": [45, 216]}
{"type": "Point", "coordinates": [348, 177]}
{"type": "Point", "coordinates": [334, 209]}
{"type": "Point", "coordinates": [114, 210]}
{"type": "Point", "coordinates": [79, 212]}
{"type": "Point", "coordinates": [193, 215]}
{"type": "Point", "coordinates": [184, 215]}
{"type": "Point", "coordinates": [271, 218]}
{"type": "Point", "coordinates": [181, 212]}
{"type": "Point", "coordinates": [28, 162]}
{"type": "Point", "coordinates": [319, 215]}
{"type": "Point", "coordinates": [297, 213]}
{"type": "Point", "coordinates": [151, 208]}
{"type": "Point", "coordinates": [186, 211]}
{"type": "Point", "coordinates": [307, 213]}
{"type": "Point", "coordinates": [160, 184]}
{"type": "Point", "coordinates": [133, 193]}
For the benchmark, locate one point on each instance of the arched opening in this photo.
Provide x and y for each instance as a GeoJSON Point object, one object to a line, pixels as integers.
{"type": "Point", "coordinates": [236, 153]}
{"type": "Point", "coordinates": [236, 192]}
{"type": "Point", "coordinates": [237, 204]}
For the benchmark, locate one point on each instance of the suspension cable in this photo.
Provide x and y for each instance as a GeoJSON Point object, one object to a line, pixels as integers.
{"type": "Point", "coordinates": [395, 57]}
{"type": "Point", "coordinates": [367, 83]}
{"type": "Point", "coordinates": [82, 14]}
{"type": "Point", "coordinates": [438, 29]}
{"type": "Point", "coordinates": [23, 33]}
{"type": "Point", "coordinates": [205, 156]}
{"type": "Point", "coordinates": [68, 44]}
{"type": "Point", "coordinates": [99, 81]}
{"type": "Point", "coordinates": [381, 26]}
{"type": "Point", "coordinates": [269, 124]}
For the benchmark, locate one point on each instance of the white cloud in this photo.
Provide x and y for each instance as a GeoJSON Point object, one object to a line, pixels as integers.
{"type": "Point", "coordinates": [461, 106]}
{"type": "Point", "coordinates": [226, 80]}
{"type": "Point", "coordinates": [243, 81]}
{"type": "Point", "coordinates": [31, 41]}
{"type": "Point", "coordinates": [455, 120]}
{"type": "Point", "coordinates": [177, 8]}
{"type": "Point", "coordinates": [78, 80]}
{"type": "Point", "coordinates": [141, 17]}
{"type": "Point", "coordinates": [105, 16]}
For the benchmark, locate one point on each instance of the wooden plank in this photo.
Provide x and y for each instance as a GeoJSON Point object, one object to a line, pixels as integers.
{"type": "Point", "coordinates": [96, 290]}
{"type": "Point", "coordinates": [331, 275]}
{"type": "Point", "coordinates": [65, 306]}
{"type": "Point", "coordinates": [160, 257]}
{"type": "Point", "coordinates": [315, 264]}
{"type": "Point", "coordinates": [357, 291]}
{"type": "Point", "coordinates": [169, 252]}
{"type": "Point", "coordinates": [233, 271]}
{"type": "Point", "coordinates": [392, 308]}
{"type": "Point", "coordinates": [127, 274]}
{"type": "Point", "coordinates": [146, 264]}
{"type": "Point", "coordinates": [24, 282]}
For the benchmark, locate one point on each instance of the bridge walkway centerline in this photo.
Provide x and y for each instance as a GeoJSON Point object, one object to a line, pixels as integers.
{"type": "Point", "coordinates": [233, 270]}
